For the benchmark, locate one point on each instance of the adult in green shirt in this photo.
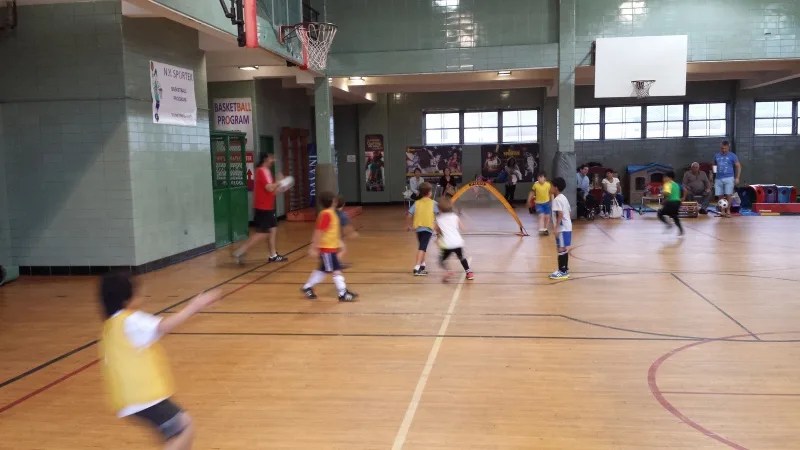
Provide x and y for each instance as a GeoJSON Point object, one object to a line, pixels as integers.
{"type": "Point", "coordinates": [672, 202]}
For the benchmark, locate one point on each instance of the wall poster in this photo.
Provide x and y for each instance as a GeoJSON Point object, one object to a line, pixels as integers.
{"type": "Point", "coordinates": [172, 89]}
{"type": "Point", "coordinates": [374, 162]}
{"type": "Point", "coordinates": [494, 158]}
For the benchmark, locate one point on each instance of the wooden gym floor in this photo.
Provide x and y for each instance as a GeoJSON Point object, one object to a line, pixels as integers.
{"type": "Point", "coordinates": [655, 342]}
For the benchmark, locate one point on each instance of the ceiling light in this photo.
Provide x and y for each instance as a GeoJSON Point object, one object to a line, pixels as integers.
{"type": "Point", "coordinates": [356, 78]}
{"type": "Point", "coordinates": [248, 67]}
{"type": "Point", "coordinates": [503, 73]}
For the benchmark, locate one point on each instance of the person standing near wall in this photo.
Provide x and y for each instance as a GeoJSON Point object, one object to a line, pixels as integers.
{"type": "Point", "coordinates": [727, 170]}
{"type": "Point", "coordinates": [513, 175]}
{"type": "Point", "coordinates": [264, 217]}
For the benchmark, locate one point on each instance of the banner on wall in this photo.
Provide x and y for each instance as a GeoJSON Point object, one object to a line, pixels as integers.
{"type": "Point", "coordinates": [312, 173]}
{"type": "Point", "coordinates": [172, 89]}
{"type": "Point", "coordinates": [432, 160]}
{"type": "Point", "coordinates": [373, 157]}
{"type": "Point", "coordinates": [495, 157]}
{"type": "Point", "coordinates": [236, 114]}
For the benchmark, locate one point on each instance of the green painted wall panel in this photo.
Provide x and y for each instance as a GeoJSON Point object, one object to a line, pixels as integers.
{"type": "Point", "coordinates": [717, 29]}
{"type": "Point", "coordinates": [170, 165]}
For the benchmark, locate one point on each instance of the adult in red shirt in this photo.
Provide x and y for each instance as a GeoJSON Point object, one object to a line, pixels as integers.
{"type": "Point", "coordinates": [264, 190]}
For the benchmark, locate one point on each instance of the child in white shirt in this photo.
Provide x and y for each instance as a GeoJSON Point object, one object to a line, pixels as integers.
{"type": "Point", "coordinates": [448, 227]}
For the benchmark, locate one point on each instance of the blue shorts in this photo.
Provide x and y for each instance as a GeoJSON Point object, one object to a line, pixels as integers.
{"type": "Point", "coordinates": [543, 208]}
{"type": "Point", "coordinates": [329, 263]}
{"type": "Point", "coordinates": [563, 239]}
{"type": "Point", "coordinates": [724, 186]}
{"type": "Point", "coordinates": [424, 237]}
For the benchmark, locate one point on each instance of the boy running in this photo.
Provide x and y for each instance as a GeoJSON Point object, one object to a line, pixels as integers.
{"type": "Point", "coordinates": [448, 227]}
{"type": "Point", "coordinates": [421, 217]}
{"type": "Point", "coordinates": [135, 367]}
{"type": "Point", "coordinates": [325, 244]}
{"type": "Point", "coordinates": [347, 228]}
{"type": "Point", "coordinates": [672, 202]}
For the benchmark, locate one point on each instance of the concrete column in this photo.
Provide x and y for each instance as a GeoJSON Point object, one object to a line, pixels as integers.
{"type": "Point", "coordinates": [326, 151]}
{"type": "Point", "coordinates": [5, 230]}
{"type": "Point", "coordinates": [547, 153]}
{"type": "Point", "coordinates": [565, 156]}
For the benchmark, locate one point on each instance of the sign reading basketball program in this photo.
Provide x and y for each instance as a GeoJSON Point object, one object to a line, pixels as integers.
{"type": "Point", "coordinates": [172, 89]}
{"type": "Point", "coordinates": [236, 114]}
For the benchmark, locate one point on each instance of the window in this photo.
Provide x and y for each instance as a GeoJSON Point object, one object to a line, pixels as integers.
{"type": "Point", "coordinates": [442, 128]}
{"type": "Point", "coordinates": [624, 122]}
{"type": "Point", "coordinates": [708, 119]}
{"type": "Point", "coordinates": [587, 124]}
{"type": "Point", "coordinates": [774, 118]}
{"type": "Point", "coordinates": [664, 121]}
{"type": "Point", "coordinates": [480, 127]}
{"type": "Point", "coordinates": [521, 126]}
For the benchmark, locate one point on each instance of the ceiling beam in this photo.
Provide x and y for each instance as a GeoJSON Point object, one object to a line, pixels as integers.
{"type": "Point", "coordinates": [770, 79]}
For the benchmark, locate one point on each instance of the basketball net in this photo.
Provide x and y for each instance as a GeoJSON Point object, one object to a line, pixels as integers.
{"type": "Point", "coordinates": [315, 39]}
{"type": "Point", "coordinates": [641, 88]}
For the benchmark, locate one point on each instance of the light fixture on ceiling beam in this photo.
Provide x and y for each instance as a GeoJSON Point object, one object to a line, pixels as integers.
{"type": "Point", "coordinates": [503, 73]}
{"type": "Point", "coordinates": [356, 78]}
{"type": "Point", "coordinates": [248, 68]}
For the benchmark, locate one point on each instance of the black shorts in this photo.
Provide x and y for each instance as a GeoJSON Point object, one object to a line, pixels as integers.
{"type": "Point", "coordinates": [165, 416]}
{"type": "Point", "coordinates": [424, 237]}
{"type": "Point", "coordinates": [264, 220]}
{"type": "Point", "coordinates": [329, 262]}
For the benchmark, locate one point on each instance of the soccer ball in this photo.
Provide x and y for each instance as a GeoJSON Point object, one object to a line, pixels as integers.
{"type": "Point", "coordinates": [722, 204]}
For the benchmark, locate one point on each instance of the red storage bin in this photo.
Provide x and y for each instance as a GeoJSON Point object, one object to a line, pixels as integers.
{"type": "Point", "coordinates": [759, 193]}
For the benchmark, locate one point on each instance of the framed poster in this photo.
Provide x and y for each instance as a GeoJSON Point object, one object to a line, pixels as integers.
{"type": "Point", "coordinates": [374, 163]}
{"type": "Point", "coordinates": [494, 158]}
{"type": "Point", "coordinates": [172, 89]}
{"type": "Point", "coordinates": [433, 160]}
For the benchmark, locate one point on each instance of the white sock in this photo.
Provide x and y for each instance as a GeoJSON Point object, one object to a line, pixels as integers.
{"type": "Point", "coordinates": [338, 280]}
{"type": "Point", "coordinates": [314, 279]}
{"type": "Point", "coordinates": [416, 267]}
{"type": "Point", "coordinates": [272, 256]}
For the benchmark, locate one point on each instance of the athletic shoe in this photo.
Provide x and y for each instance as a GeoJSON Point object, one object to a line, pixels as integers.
{"type": "Point", "coordinates": [277, 258]}
{"type": "Point", "coordinates": [559, 275]}
{"type": "Point", "coordinates": [447, 277]}
{"type": "Point", "coordinates": [470, 275]}
{"type": "Point", "coordinates": [348, 296]}
{"type": "Point", "coordinates": [238, 259]}
{"type": "Point", "coordinates": [421, 272]}
{"type": "Point", "coordinates": [309, 293]}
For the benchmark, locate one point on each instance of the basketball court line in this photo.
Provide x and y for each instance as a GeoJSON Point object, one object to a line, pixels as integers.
{"type": "Point", "coordinates": [744, 394]}
{"type": "Point", "coordinates": [379, 313]}
{"type": "Point", "coordinates": [89, 344]}
{"type": "Point", "coordinates": [716, 307]}
{"type": "Point", "coordinates": [448, 336]}
{"type": "Point", "coordinates": [652, 382]}
{"type": "Point", "coordinates": [411, 411]}
{"type": "Point", "coordinates": [603, 231]}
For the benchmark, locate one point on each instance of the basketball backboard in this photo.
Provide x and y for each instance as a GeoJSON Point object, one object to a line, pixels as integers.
{"type": "Point", "coordinates": [619, 61]}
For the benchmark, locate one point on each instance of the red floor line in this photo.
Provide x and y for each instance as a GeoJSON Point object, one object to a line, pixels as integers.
{"type": "Point", "coordinates": [48, 386]}
{"type": "Point", "coordinates": [754, 394]}
{"type": "Point", "coordinates": [81, 369]}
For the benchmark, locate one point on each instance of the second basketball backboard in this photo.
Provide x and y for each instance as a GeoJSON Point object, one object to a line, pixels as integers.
{"type": "Point", "coordinates": [619, 61]}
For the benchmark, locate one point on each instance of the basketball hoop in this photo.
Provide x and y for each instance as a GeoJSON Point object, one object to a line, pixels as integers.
{"type": "Point", "coordinates": [641, 88]}
{"type": "Point", "coordinates": [315, 41]}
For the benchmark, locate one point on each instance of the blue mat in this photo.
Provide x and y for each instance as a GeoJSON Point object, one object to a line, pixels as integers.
{"type": "Point", "coordinates": [742, 211]}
